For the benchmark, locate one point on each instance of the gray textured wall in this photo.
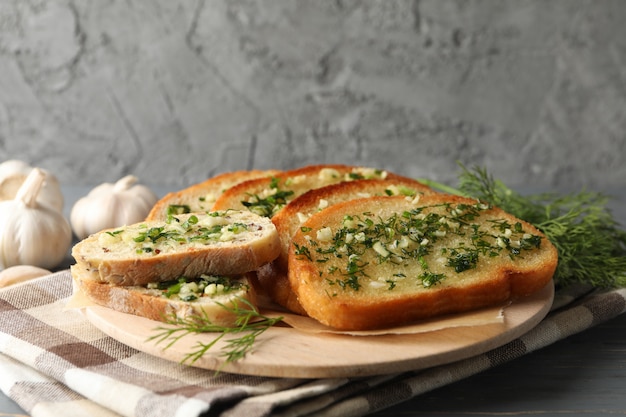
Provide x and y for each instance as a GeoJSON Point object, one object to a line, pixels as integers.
{"type": "Point", "coordinates": [175, 91]}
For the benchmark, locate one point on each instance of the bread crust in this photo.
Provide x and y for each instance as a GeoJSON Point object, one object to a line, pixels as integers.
{"type": "Point", "coordinates": [202, 196]}
{"type": "Point", "coordinates": [297, 181]}
{"type": "Point", "coordinates": [494, 280]}
{"type": "Point", "coordinates": [124, 266]}
{"type": "Point", "coordinates": [274, 277]}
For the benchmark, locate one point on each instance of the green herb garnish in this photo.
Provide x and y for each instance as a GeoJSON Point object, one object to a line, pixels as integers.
{"type": "Point", "coordinates": [590, 243]}
{"type": "Point", "coordinates": [249, 324]}
{"type": "Point", "coordinates": [462, 261]}
{"type": "Point", "coordinates": [268, 206]}
{"type": "Point", "coordinates": [174, 209]}
{"type": "Point", "coordinates": [197, 287]}
{"type": "Point", "coordinates": [428, 279]}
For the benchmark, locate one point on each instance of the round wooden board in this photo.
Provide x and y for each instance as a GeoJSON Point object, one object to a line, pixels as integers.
{"type": "Point", "coordinates": [289, 353]}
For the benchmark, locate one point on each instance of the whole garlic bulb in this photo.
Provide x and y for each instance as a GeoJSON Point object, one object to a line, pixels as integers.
{"type": "Point", "coordinates": [111, 205]}
{"type": "Point", "coordinates": [32, 233]}
{"type": "Point", "coordinates": [13, 173]}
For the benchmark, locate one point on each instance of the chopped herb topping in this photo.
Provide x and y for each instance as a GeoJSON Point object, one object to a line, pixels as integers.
{"type": "Point", "coordinates": [175, 231]}
{"type": "Point", "coordinates": [462, 261]}
{"type": "Point", "coordinates": [408, 239]}
{"type": "Point", "coordinates": [174, 209]}
{"type": "Point", "coordinates": [428, 279]}
{"type": "Point", "coordinates": [355, 176]}
{"type": "Point", "coordinates": [187, 289]}
{"type": "Point", "coordinates": [281, 190]}
{"type": "Point", "coordinates": [268, 205]}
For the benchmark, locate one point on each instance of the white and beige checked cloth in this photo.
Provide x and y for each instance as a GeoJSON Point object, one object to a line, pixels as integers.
{"type": "Point", "coordinates": [54, 362]}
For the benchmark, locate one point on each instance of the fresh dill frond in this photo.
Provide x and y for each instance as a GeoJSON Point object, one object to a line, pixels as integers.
{"type": "Point", "coordinates": [590, 242]}
{"type": "Point", "coordinates": [249, 324]}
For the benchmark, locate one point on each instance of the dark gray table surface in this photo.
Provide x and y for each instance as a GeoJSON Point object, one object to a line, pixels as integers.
{"type": "Point", "coordinates": [584, 375]}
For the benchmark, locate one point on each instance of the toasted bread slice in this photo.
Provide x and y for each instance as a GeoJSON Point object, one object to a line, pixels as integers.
{"type": "Point", "coordinates": [210, 297]}
{"type": "Point", "coordinates": [384, 261]}
{"type": "Point", "coordinates": [222, 243]}
{"type": "Point", "coordinates": [267, 196]}
{"type": "Point", "coordinates": [201, 197]}
{"type": "Point", "coordinates": [273, 277]}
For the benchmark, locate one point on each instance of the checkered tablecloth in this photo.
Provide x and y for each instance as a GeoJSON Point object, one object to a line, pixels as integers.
{"type": "Point", "coordinates": [53, 361]}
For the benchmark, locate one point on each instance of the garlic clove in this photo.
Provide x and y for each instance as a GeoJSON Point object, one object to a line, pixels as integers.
{"type": "Point", "coordinates": [10, 185]}
{"type": "Point", "coordinates": [30, 188]}
{"type": "Point", "coordinates": [21, 273]}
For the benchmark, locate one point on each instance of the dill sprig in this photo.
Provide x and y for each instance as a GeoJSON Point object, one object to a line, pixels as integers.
{"type": "Point", "coordinates": [590, 242]}
{"type": "Point", "coordinates": [249, 324]}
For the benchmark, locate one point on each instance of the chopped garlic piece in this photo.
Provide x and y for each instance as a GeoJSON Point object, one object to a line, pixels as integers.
{"type": "Point", "coordinates": [210, 289]}
{"type": "Point", "coordinates": [453, 225]}
{"type": "Point", "coordinates": [328, 174]}
{"type": "Point", "coordinates": [210, 198]}
{"type": "Point", "coordinates": [268, 192]}
{"type": "Point", "coordinates": [397, 259]}
{"type": "Point", "coordinates": [127, 237]}
{"type": "Point", "coordinates": [227, 235]}
{"type": "Point", "coordinates": [370, 173]}
{"type": "Point", "coordinates": [298, 179]}
{"type": "Point", "coordinates": [210, 221]}
{"type": "Point", "coordinates": [380, 249]}
{"type": "Point", "coordinates": [325, 234]}
{"type": "Point", "coordinates": [302, 217]}
{"type": "Point", "coordinates": [188, 288]}
{"type": "Point", "coordinates": [106, 239]}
